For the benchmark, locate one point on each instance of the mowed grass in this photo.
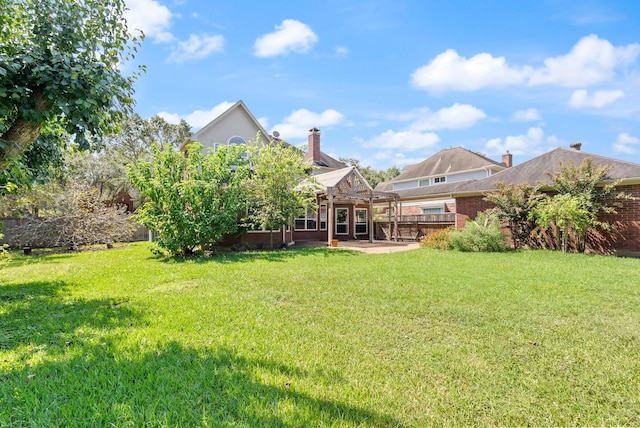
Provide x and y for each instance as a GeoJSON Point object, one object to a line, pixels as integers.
{"type": "Point", "coordinates": [320, 337]}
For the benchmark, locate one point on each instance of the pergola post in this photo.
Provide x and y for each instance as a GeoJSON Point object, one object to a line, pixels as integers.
{"type": "Point", "coordinates": [330, 218]}
{"type": "Point", "coordinates": [371, 235]}
{"type": "Point", "coordinates": [389, 222]}
{"type": "Point", "coordinates": [395, 220]}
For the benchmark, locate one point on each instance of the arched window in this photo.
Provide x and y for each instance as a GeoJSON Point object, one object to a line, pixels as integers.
{"type": "Point", "coordinates": [236, 140]}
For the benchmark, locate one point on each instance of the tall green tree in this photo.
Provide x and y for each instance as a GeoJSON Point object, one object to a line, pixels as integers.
{"type": "Point", "coordinates": [280, 188]}
{"type": "Point", "coordinates": [61, 66]}
{"type": "Point", "coordinates": [194, 200]}
{"type": "Point", "coordinates": [107, 169]}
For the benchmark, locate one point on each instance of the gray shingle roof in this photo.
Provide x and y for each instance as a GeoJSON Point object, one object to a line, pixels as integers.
{"type": "Point", "coordinates": [444, 162]}
{"type": "Point", "coordinates": [536, 170]}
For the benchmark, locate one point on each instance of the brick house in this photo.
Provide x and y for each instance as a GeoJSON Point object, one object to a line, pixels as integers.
{"type": "Point", "coordinates": [425, 191]}
{"type": "Point", "coordinates": [624, 239]}
{"type": "Point", "coordinates": [345, 200]}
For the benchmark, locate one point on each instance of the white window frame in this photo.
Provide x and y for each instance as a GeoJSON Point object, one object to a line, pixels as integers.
{"type": "Point", "coordinates": [439, 180]}
{"type": "Point", "coordinates": [345, 223]}
{"type": "Point", "coordinates": [360, 223]}
{"type": "Point", "coordinates": [309, 216]}
{"type": "Point", "coordinates": [322, 217]}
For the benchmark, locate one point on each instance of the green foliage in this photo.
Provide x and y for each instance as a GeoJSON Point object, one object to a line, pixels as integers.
{"type": "Point", "coordinates": [280, 188]}
{"type": "Point", "coordinates": [514, 203]}
{"type": "Point", "coordinates": [60, 66]}
{"type": "Point", "coordinates": [373, 176]}
{"type": "Point", "coordinates": [567, 214]}
{"type": "Point", "coordinates": [584, 194]}
{"type": "Point", "coordinates": [193, 199]}
{"type": "Point", "coordinates": [482, 234]}
{"type": "Point", "coordinates": [440, 240]}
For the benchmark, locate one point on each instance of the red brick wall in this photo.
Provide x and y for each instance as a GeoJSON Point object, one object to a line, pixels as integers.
{"type": "Point", "coordinates": [623, 239]}
{"type": "Point", "coordinates": [468, 208]}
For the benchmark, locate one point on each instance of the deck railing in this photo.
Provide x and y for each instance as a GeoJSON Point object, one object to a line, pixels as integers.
{"type": "Point", "coordinates": [439, 218]}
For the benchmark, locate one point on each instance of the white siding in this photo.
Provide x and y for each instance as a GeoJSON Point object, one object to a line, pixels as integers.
{"type": "Point", "coordinates": [406, 185]}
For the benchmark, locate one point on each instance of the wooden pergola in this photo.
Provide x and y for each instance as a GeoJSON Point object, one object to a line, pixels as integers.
{"type": "Point", "coordinates": [348, 184]}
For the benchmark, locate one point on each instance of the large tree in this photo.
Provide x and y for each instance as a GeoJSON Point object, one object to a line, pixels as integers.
{"type": "Point", "coordinates": [280, 188]}
{"type": "Point", "coordinates": [61, 67]}
{"type": "Point", "coordinates": [192, 200]}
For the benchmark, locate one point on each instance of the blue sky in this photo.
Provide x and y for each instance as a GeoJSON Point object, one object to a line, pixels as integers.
{"type": "Point", "coordinates": [393, 82]}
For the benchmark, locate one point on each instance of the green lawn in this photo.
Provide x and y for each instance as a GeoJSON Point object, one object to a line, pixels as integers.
{"type": "Point", "coordinates": [316, 337]}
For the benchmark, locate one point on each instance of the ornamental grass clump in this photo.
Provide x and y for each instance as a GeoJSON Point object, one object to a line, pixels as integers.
{"type": "Point", "coordinates": [482, 234]}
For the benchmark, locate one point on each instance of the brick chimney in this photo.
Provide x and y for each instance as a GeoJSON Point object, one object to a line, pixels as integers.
{"type": "Point", "coordinates": [313, 148]}
{"type": "Point", "coordinates": [507, 159]}
{"type": "Point", "coordinates": [576, 145]}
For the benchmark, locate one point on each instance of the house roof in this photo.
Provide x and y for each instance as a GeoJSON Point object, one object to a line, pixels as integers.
{"type": "Point", "coordinates": [537, 170]}
{"type": "Point", "coordinates": [447, 161]}
{"type": "Point", "coordinates": [325, 162]}
{"type": "Point", "coordinates": [350, 183]}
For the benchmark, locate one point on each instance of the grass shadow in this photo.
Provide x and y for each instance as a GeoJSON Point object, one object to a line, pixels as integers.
{"type": "Point", "coordinates": [171, 386]}
{"type": "Point", "coordinates": [39, 315]}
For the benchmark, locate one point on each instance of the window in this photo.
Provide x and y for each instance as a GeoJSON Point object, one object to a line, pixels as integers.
{"type": "Point", "coordinates": [236, 140]}
{"type": "Point", "coordinates": [323, 217]}
{"type": "Point", "coordinates": [424, 182]}
{"type": "Point", "coordinates": [432, 210]}
{"type": "Point", "coordinates": [308, 221]}
{"type": "Point", "coordinates": [342, 221]}
{"type": "Point", "coordinates": [439, 180]}
{"type": "Point", "coordinates": [361, 221]}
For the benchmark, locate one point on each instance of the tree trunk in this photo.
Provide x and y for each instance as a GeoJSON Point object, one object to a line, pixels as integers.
{"type": "Point", "coordinates": [22, 133]}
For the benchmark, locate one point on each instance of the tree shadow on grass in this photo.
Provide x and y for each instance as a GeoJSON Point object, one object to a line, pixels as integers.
{"type": "Point", "coordinates": [172, 386]}
{"type": "Point", "coordinates": [40, 315]}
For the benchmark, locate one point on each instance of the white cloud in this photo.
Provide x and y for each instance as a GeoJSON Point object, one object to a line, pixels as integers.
{"type": "Point", "coordinates": [151, 17]}
{"type": "Point", "coordinates": [455, 117]}
{"type": "Point", "coordinates": [450, 71]}
{"type": "Point", "coordinates": [533, 142]}
{"type": "Point", "coordinates": [298, 123]}
{"type": "Point", "coordinates": [290, 36]}
{"type": "Point", "coordinates": [599, 99]}
{"type": "Point", "coordinates": [592, 60]}
{"type": "Point", "coordinates": [342, 51]}
{"type": "Point", "coordinates": [198, 118]}
{"type": "Point", "coordinates": [196, 47]}
{"type": "Point", "coordinates": [404, 140]}
{"type": "Point", "coordinates": [627, 144]}
{"type": "Point", "coordinates": [528, 115]}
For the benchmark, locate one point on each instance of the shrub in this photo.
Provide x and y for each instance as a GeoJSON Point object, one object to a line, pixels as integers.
{"type": "Point", "coordinates": [483, 234]}
{"type": "Point", "coordinates": [440, 240]}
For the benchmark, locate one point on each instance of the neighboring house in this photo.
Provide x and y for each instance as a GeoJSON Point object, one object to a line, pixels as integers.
{"type": "Point", "coordinates": [623, 239]}
{"type": "Point", "coordinates": [425, 187]}
{"type": "Point", "coordinates": [344, 201]}
{"type": "Point", "coordinates": [425, 191]}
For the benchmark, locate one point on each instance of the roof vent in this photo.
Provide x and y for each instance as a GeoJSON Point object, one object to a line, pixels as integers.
{"type": "Point", "coordinates": [576, 145]}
